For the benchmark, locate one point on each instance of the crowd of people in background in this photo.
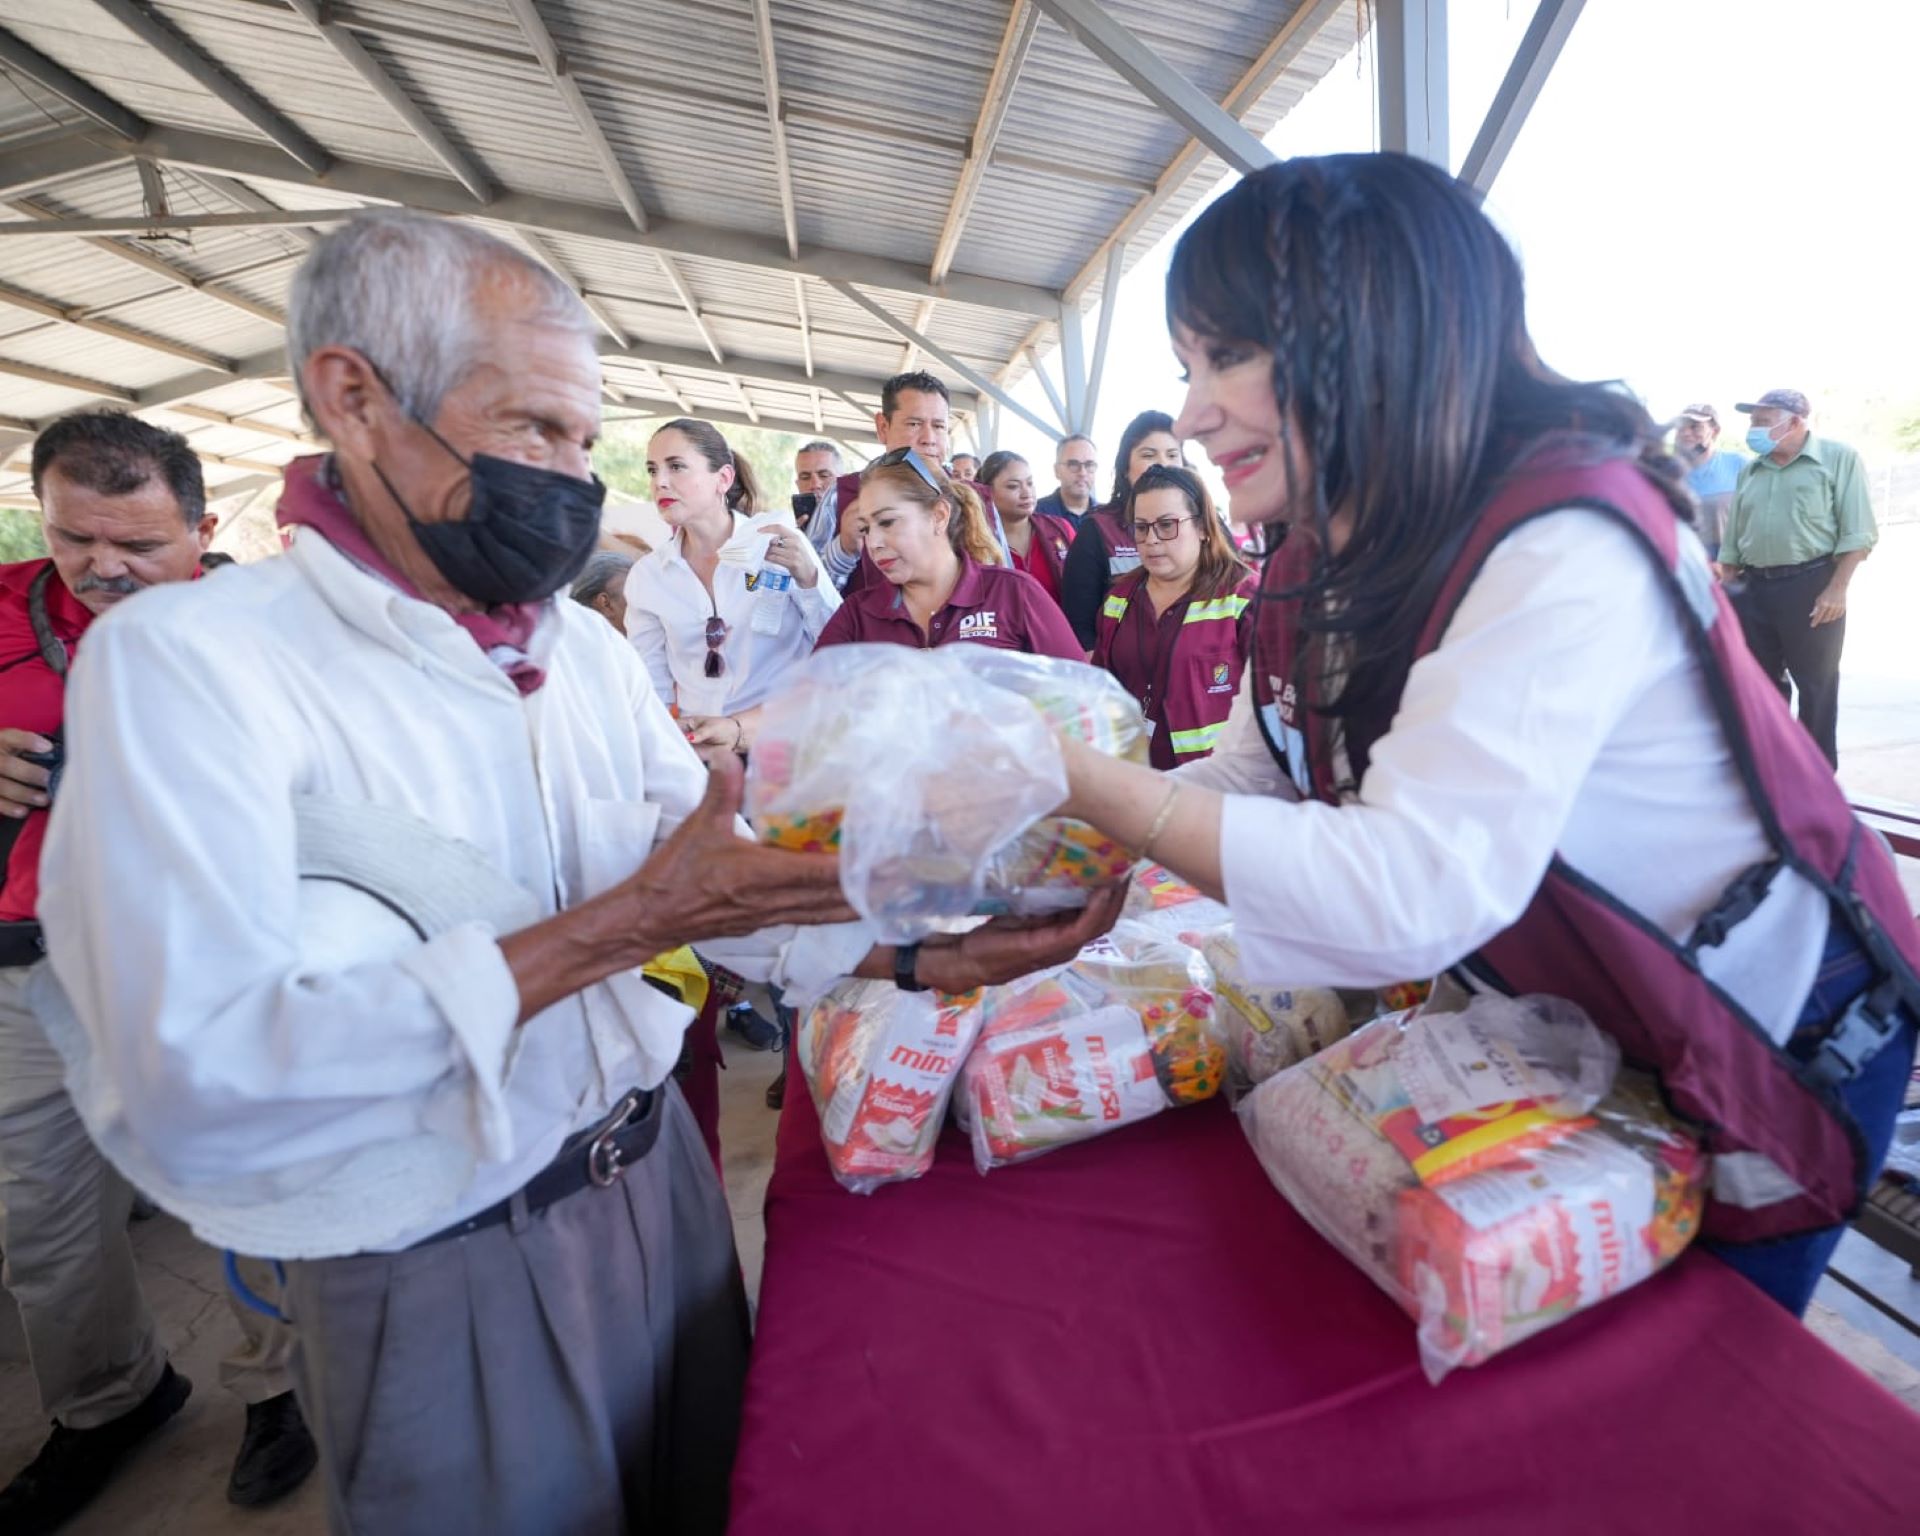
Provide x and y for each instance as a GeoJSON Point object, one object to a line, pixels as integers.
{"type": "Point", "coordinates": [411, 636]}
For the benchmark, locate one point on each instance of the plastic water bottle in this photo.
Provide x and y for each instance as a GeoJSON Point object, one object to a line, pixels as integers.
{"type": "Point", "coordinates": [770, 598]}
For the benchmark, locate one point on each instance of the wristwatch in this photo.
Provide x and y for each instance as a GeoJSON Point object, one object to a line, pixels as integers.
{"type": "Point", "coordinates": [905, 958]}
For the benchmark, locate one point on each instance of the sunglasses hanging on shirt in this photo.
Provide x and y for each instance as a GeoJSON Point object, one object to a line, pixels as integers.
{"type": "Point", "coordinates": [716, 663]}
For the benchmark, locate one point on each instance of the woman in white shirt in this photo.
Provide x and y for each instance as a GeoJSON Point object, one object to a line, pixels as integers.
{"type": "Point", "coordinates": [696, 610]}
{"type": "Point", "coordinates": [1483, 730]}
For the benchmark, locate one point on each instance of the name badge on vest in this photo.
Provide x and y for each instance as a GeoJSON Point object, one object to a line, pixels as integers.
{"type": "Point", "coordinates": [1279, 720]}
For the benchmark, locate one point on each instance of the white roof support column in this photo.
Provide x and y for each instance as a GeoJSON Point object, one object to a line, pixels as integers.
{"type": "Point", "coordinates": [1410, 39]}
{"type": "Point", "coordinates": [1109, 302]}
{"type": "Point", "coordinates": [1073, 365]}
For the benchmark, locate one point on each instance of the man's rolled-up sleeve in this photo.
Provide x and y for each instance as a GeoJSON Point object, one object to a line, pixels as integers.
{"type": "Point", "coordinates": [1852, 506]}
{"type": "Point", "coordinates": [171, 902]}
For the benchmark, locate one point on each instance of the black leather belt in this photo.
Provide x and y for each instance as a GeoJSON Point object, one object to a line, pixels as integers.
{"type": "Point", "coordinates": [1782, 572]}
{"type": "Point", "coordinates": [595, 1157]}
{"type": "Point", "coordinates": [21, 944]}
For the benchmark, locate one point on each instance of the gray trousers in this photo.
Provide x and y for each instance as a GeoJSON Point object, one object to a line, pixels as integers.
{"type": "Point", "coordinates": [571, 1372]}
{"type": "Point", "coordinates": [69, 1265]}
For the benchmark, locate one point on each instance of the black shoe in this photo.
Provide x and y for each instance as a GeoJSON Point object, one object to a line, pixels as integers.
{"type": "Point", "coordinates": [75, 1464]}
{"type": "Point", "coordinates": [777, 1091]}
{"type": "Point", "coordinates": [757, 1033]}
{"type": "Point", "coordinates": [276, 1453]}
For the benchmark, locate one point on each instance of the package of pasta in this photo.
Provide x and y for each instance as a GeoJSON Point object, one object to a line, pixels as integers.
{"type": "Point", "coordinates": [881, 1065]}
{"type": "Point", "coordinates": [1119, 1034]}
{"type": "Point", "coordinates": [932, 775]}
{"type": "Point", "coordinates": [1267, 1029]}
{"type": "Point", "coordinates": [1492, 1170]}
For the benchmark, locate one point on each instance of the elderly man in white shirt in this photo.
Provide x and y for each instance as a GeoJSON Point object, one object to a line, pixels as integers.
{"type": "Point", "coordinates": [382, 1016]}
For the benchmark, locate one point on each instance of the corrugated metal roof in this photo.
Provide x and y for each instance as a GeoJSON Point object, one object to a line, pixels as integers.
{"type": "Point", "coordinates": [879, 105]}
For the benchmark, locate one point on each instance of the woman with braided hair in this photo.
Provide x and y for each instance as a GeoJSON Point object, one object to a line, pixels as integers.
{"type": "Point", "coordinates": [1499, 722]}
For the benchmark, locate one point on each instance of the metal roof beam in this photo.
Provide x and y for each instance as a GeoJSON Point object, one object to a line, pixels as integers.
{"type": "Point", "coordinates": [692, 305]}
{"type": "Point", "coordinates": [243, 423]}
{"type": "Point", "coordinates": [1046, 387]}
{"type": "Point", "coordinates": [656, 410]}
{"type": "Point", "coordinates": [190, 59]}
{"type": "Point", "coordinates": [806, 323]}
{"type": "Point", "coordinates": [56, 225]}
{"type": "Point", "coordinates": [1022, 23]}
{"type": "Point", "coordinates": [203, 152]}
{"type": "Point", "coordinates": [1109, 302]}
{"type": "Point", "coordinates": [389, 90]}
{"type": "Point", "coordinates": [1410, 43]}
{"type": "Point", "coordinates": [1300, 29]}
{"type": "Point", "coordinates": [178, 276]}
{"type": "Point", "coordinates": [978, 380]}
{"type": "Point", "coordinates": [262, 365]}
{"type": "Point", "coordinates": [922, 318]}
{"type": "Point", "coordinates": [754, 370]}
{"type": "Point", "coordinates": [527, 14]}
{"type": "Point", "coordinates": [73, 381]}
{"type": "Point", "coordinates": [782, 164]}
{"type": "Point", "coordinates": [1533, 62]}
{"type": "Point", "coordinates": [245, 198]}
{"type": "Point", "coordinates": [70, 88]}
{"type": "Point", "coordinates": [434, 194]}
{"type": "Point", "coordinates": [75, 316]}
{"type": "Point", "coordinates": [1160, 83]}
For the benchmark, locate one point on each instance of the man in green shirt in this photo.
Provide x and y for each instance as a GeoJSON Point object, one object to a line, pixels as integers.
{"type": "Point", "coordinates": [1799, 524]}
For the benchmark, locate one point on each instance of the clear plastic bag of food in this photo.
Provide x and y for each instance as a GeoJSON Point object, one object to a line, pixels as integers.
{"type": "Point", "coordinates": [1491, 1170]}
{"type": "Point", "coordinates": [932, 780]}
{"type": "Point", "coordinates": [881, 1065]}
{"type": "Point", "coordinates": [1267, 1029]}
{"type": "Point", "coordinates": [1119, 1034]}
{"type": "Point", "coordinates": [1159, 899]}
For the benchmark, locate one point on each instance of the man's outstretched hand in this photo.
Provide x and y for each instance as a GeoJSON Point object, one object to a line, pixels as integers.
{"type": "Point", "coordinates": [1008, 948]}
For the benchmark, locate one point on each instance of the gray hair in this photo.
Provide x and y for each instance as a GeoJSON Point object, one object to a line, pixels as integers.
{"type": "Point", "coordinates": [818, 445]}
{"type": "Point", "coordinates": [397, 287]}
{"type": "Point", "coordinates": [607, 568]}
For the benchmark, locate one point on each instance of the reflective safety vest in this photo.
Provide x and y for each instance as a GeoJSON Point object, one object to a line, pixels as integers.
{"type": "Point", "coordinates": [1769, 1112]}
{"type": "Point", "coordinates": [1183, 665]}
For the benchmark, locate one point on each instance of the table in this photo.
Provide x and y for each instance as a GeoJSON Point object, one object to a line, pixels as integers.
{"type": "Point", "coordinates": [1139, 1335]}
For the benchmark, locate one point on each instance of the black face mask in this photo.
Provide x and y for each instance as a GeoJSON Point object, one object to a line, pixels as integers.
{"type": "Point", "coordinates": [527, 532]}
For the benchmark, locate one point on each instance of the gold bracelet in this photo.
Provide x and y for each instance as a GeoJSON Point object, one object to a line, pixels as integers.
{"type": "Point", "coordinates": [739, 732]}
{"type": "Point", "coordinates": [1160, 821]}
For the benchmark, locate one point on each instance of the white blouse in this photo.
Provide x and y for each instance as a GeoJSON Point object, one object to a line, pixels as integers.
{"type": "Point", "coordinates": [1562, 711]}
{"type": "Point", "coordinates": [667, 611]}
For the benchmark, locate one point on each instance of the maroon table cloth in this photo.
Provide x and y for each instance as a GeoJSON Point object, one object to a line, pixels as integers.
{"type": "Point", "coordinates": [1139, 1335]}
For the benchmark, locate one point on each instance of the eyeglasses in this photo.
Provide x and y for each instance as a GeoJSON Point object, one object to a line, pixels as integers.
{"type": "Point", "coordinates": [1088, 465]}
{"type": "Point", "coordinates": [716, 637]}
{"type": "Point", "coordinates": [1164, 530]}
{"type": "Point", "coordinates": [913, 461]}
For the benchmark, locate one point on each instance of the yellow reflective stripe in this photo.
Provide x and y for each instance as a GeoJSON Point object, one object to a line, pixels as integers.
{"type": "Point", "coordinates": [1218, 608]}
{"type": "Point", "coordinates": [1115, 607]}
{"type": "Point", "coordinates": [1200, 739]}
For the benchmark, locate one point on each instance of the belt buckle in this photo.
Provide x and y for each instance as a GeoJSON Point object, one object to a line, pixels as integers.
{"type": "Point", "coordinates": [604, 1165]}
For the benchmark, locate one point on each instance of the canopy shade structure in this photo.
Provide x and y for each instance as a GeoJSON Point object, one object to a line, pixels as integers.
{"type": "Point", "coordinates": [768, 205]}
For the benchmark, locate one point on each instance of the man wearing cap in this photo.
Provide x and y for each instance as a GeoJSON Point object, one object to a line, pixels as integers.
{"type": "Point", "coordinates": [1799, 524]}
{"type": "Point", "coordinates": [1711, 471]}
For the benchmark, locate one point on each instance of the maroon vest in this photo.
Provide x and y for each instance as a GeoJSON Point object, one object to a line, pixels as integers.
{"type": "Point", "coordinates": [1123, 554]}
{"type": "Point", "coordinates": [1719, 1066]}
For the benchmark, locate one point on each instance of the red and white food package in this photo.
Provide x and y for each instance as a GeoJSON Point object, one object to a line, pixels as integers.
{"type": "Point", "coordinates": [881, 1065]}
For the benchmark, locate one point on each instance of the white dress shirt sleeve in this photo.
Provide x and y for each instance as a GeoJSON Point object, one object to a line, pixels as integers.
{"type": "Point", "coordinates": [170, 898]}
{"type": "Point", "coordinates": [819, 602]}
{"type": "Point", "coordinates": [1466, 796]}
{"type": "Point", "coordinates": [648, 632]}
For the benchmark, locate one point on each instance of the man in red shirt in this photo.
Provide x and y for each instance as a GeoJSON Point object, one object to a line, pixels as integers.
{"type": "Point", "coordinates": [125, 509]}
